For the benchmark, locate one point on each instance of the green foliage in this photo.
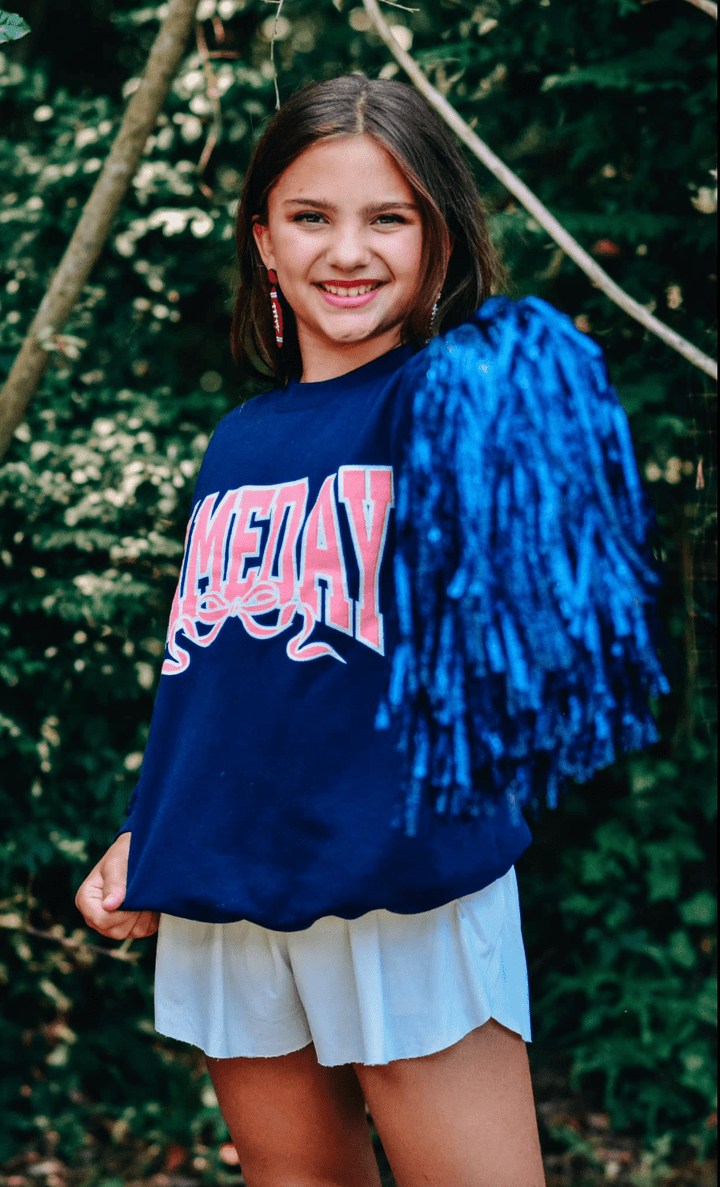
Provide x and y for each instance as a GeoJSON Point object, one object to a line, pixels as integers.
{"type": "Point", "coordinates": [631, 987]}
{"type": "Point", "coordinates": [605, 111]}
{"type": "Point", "coordinates": [12, 26]}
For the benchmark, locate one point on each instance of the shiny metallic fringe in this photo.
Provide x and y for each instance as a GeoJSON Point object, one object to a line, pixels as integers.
{"type": "Point", "coordinates": [525, 580]}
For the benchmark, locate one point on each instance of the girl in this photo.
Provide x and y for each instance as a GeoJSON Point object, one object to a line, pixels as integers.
{"type": "Point", "coordinates": [322, 955]}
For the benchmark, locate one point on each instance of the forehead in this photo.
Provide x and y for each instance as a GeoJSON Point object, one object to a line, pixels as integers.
{"type": "Point", "coordinates": [345, 171]}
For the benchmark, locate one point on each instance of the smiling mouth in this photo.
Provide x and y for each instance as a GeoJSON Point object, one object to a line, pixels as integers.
{"type": "Point", "coordinates": [345, 290]}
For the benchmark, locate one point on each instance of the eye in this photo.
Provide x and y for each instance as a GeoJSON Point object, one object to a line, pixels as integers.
{"type": "Point", "coordinates": [310, 216]}
{"type": "Point", "coordinates": [392, 218]}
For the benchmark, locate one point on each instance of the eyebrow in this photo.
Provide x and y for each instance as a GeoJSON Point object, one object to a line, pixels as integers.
{"type": "Point", "coordinates": [375, 208]}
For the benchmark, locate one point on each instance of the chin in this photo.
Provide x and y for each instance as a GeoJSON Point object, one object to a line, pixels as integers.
{"type": "Point", "coordinates": [353, 337]}
{"type": "Point", "coordinates": [366, 332]}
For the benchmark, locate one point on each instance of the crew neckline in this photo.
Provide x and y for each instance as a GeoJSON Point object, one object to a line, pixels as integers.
{"type": "Point", "coordinates": [383, 365]}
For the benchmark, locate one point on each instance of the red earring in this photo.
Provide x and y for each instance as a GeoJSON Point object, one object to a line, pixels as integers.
{"type": "Point", "coordinates": [276, 310]}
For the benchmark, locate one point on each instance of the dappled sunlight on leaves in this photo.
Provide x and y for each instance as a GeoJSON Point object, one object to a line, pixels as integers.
{"type": "Point", "coordinates": [605, 112]}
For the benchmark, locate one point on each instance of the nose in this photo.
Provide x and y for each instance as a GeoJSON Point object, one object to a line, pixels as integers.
{"type": "Point", "coordinates": [348, 248]}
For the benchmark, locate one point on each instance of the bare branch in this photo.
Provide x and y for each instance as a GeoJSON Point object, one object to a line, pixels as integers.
{"type": "Point", "coordinates": [705, 6]}
{"type": "Point", "coordinates": [14, 923]}
{"type": "Point", "coordinates": [214, 96]}
{"type": "Point", "coordinates": [393, 4]}
{"type": "Point", "coordinates": [273, 39]}
{"type": "Point", "coordinates": [539, 212]}
{"type": "Point", "coordinates": [92, 230]}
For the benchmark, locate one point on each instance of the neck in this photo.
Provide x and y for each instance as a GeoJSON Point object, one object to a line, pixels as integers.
{"type": "Point", "coordinates": [323, 360]}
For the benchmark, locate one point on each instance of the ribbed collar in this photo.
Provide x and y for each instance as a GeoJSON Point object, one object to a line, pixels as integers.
{"type": "Point", "coordinates": [299, 394]}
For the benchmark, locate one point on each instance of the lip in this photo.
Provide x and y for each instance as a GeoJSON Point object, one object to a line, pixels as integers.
{"type": "Point", "coordinates": [352, 284]}
{"type": "Point", "coordinates": [350, 302]}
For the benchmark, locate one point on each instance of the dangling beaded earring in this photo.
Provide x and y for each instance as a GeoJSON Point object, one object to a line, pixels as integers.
{"type": "Point", "coordinates": [432, 317]}
{"type": "Point", "coordinates": [275, 304]}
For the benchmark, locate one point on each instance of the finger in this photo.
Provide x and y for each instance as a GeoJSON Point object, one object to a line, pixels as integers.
{"type": "Point", "coordinates": [88, 904]}
{"type": "Point", "coordinates": [147, 924]}
{"type": "Point", "coordinates": [114, 885]}
{"type": "Point", "coordinates": [114, 871]}
{"type": "Point", "coordinates": [135, 925]}
{"type": "Point", "coordinates": [112, 898]}
{"type": "Point", "coordinates": [90, 896]}
{"type": "Point", "coordinates": [119, 930]}
{"type": "Point", "coordinates": [90, 891]}
{"type": "Point", "coordinates": [107, 922]}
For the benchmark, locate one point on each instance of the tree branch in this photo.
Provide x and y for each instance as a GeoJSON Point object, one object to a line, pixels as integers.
{"type": "Point", "coordinates": [706, 6]}
{"type": "Point", "coordinates": [273, 39]}
{"type": "Point", "coordinates": [14, 923]}
{"type": "Point", "coordinates": [92, 230]}
{"type": "Point", "coordinates": [214, 96]}
{"type": "Point", "coordinates": [539, 212]}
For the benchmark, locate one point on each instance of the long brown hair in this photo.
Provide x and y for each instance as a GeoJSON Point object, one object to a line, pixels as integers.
{"type": "Point", "coordinates": [452, 212]}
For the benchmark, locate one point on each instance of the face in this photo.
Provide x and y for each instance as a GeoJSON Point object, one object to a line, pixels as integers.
{"type": "Point", "coordinates": [344, 235]}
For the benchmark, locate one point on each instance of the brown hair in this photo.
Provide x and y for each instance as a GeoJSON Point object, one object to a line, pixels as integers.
{"type": "Point", "coordinates": [452, 212]}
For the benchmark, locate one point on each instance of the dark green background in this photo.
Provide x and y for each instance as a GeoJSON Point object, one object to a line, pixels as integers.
{"type": "Point", "coordinates": [606, 110]}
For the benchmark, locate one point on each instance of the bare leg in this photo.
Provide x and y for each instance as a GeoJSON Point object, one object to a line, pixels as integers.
{"type": "Point", "coordinates": [463, 1117]}
{"type": "Point", "coordinates": [295, 1123]}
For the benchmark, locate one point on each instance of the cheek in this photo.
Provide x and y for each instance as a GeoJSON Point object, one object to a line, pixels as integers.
{"type": "Point", "coordinates": [409, 255]}
{"type": "Point", "coordinates": [293, 249]}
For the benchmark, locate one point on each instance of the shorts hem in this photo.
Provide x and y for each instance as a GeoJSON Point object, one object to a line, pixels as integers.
{"type": "Point", "coordinates": [334, 1061]}
{"type": "Point", "coordinates": [431, 1050]}
{"type": "Point", "coordinates": [195, 1042]}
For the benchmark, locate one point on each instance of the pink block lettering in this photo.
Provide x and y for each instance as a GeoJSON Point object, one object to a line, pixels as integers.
{"type": "Point", "coordinates": [322, 557]}
{"type": "Point", "coordinates": [178, 659]}
{"type": "Point", "coordinates": [217, 581]}
{"type": "Point", "coordinates": [206, 550]}
{"type": "Point", "coordinates": [289, 505]}
{"type": "Point", "coordinates": [367, 492]}
{"type": "Point", "coordinates": [245, 544]}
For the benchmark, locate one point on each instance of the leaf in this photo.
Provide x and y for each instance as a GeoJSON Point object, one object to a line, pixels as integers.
{"type": "Point", "coordinates": [681, 949]}
{"type": "Point", "coordinates": [700, 910]}
{"type": "Point", "coordinates": [634, 396]}
{"type": "Point", "coordinates": [663, 882]}
{"type": "Point", "coordinates": [706, 1002]}
{"type": "Point", "coordinates": [12, 26]}
{"type": "Point", "coordinates": [645, 70]}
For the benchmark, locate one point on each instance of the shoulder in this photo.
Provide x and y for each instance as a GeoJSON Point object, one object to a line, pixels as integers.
{"type": "Point", "coordinates": [222, 449]}
{"type": "Point", "coordinates": [508, 347]}
{"type": "Point", "coordinates": [516, 378]}
{"type": "Point", "coordinates": [504, 327]}
{"type": "Point", "coordinates": [235, 421]}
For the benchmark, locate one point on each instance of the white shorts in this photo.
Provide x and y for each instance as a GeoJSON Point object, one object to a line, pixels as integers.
{"type": "Point", "coordinates": [368, 990]}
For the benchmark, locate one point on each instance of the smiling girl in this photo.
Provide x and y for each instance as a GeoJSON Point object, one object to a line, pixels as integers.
{"type": "Point", "coordinates": [322, 956]}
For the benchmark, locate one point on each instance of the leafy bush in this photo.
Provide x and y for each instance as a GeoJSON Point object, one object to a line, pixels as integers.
{"type": "Point", "coordinates": [605, 111]}
{"type": "Point", "coordinates": [628, 986]}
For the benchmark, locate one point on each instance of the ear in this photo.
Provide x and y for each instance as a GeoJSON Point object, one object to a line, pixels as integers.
{"type": "Point", "coordinates": [263, 242]}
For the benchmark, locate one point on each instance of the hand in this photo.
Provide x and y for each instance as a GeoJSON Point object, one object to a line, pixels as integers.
{"type": "Point", "coordinates": [103, 890]}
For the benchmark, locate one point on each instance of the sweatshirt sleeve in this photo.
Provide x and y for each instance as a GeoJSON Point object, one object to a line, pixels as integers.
{"type": "Point", "coordinates": [127, 824]}
{"type": "Point", "coordinates": [526, 579]}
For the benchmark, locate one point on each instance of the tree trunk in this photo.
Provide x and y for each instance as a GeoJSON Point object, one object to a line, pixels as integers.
{"type": "Point", "coordinates": [92, 230]}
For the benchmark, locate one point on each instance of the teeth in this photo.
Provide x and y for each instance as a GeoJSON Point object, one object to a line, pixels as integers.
{"type": "Point", "coordinates": [346, 292]}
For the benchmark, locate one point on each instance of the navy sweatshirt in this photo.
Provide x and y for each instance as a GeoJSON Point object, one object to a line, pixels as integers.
{"type": "Point", "coordinates": [266, 793]}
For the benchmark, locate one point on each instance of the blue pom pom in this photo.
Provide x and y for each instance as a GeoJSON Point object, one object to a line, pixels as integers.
{"type": "Point", "coordinates": [525, 582]}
